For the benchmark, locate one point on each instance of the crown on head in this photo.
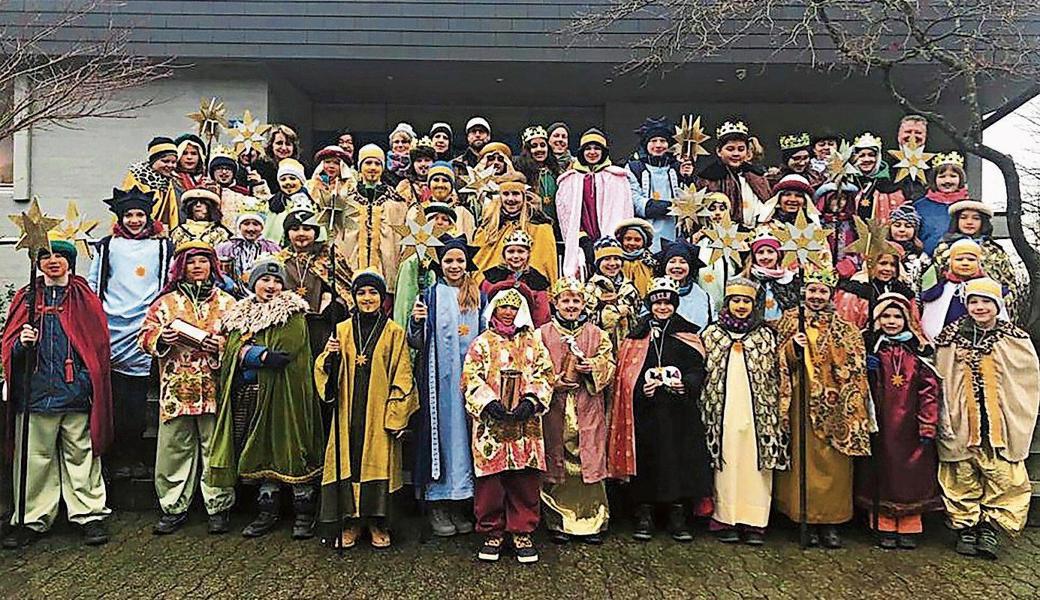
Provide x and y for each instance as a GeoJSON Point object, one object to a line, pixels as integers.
{"type": "Point", "coordinates": [953, 158]}
{"type": "Point", "coordinates": [731, 128]}
{"type": "Point", "coordinates": [867, 140]}
{"type": "Point", "coordinates": [795, 140]}
{"type": "Point", "coordinates": [518, 238]}
{"type": "Point", "coordinates": [535, 131]}
{"type": "Point", "coordinates": [424, 142]}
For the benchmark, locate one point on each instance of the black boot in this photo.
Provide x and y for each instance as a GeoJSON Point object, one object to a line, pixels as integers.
{"type": "Point", "coordinates": [677, 524]}
{"type": "Point", "coordinates": [829, 537]}
{"type": "Point", "coordinates": [303, 506]}
{"type": "Point", "coordinates": [170, 523]}
{"type": "Point", "coordinates": [644, 529]}
{"type": "Point", "coordinates": [967, 542]}
{"type": "Point", "coordinates": [219, 523]}
{"type": "Point", "coordinates": [988, 541]}
{"type": "Point", "coordinates": [267, 502]}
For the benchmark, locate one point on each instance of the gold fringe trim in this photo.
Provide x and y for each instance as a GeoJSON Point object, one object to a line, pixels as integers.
{"type": "Point", "coordinates": [269, 474]}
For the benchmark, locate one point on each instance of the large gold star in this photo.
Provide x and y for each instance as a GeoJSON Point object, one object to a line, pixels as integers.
{"type": "Point", "coordinates": [34, 226]}
{"type": "Point", "coordinates": [803, 242]}
{"type": "Point", "coordinates": [688, 138]}
{"type": "Point", "coordinates": [210, 119]}
{"type": "Point", "coordinates": [871, 240]}
{"type": "Point", "coordinates": [77, 230]}
{"type": "Point", "coordinates": [726, 240]}
{"type": "Point", "coordinates": [335, 213]}
{"type": "Point", "coordinates": [840, 163]}
{"type": "Point", "coordinates": [913, 162]}
{"type": "Point", "coordinates": [249, 134]}
{"type": "Point", "coordinates": [688, 205]}
{"type": "Point", "coordinates": [480, 182]}
{"type": "Point", "coordinates": [419, 237]}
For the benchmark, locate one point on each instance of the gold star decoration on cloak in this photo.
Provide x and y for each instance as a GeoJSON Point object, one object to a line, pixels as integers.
{"type": "Point", "coordinates": [803, 242]}
{"type": "Point", "coordinates": [419, 237]}
{"type": "Point", "coordinates": [480, 182]}
{"type": "Point", "coordinates": [249, 134]}
{"type": "Point", "coordinates": [726, 240]}
{"type": "Point", "coordinates": [210, 119]}
{"type": "Point", "coordinates": [913, 162]}
{"type": "Point", "coordinates": [76, 229]}
{"type": "Point", "coordinates": [33, 226]}
{"type": "Point", "coordinates": [688, 138]}
{"type": "Point", "coordinates": [871, 240]}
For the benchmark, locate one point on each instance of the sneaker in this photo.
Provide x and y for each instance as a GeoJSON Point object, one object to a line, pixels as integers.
{"type": "Point", "coordinates": [169, 523]}
{"type": "Point", "coordinates": [644, 530]}
{"type": "Point", "coordinates": [441, 523]}
{"type": "Point", "coordinates": [677, 524]}
{"type": "Point", "coordinates": [141, 471]}
{"type": "Point", "coordinates": [728, 535]}
{"type": "Point", "coordinates": [491, 549]}
{"type": "Point", "coordinates": [261, 525]}
{"type": "Point", "coordinates": [888, 541]}
{"type": "Point", "coordinates": [461, 521]}
{"type": "Point", "coordinates": [967, 541]}
{"type": "Point", "coordinates": [303, 527]}
{"type": "Point", "coordinates": [524, 547]}
{"type": "Point", "coordinates": [988, 542]}
{"type": "Point", "coordinates": [907, 542]}
{"type": "Point", "coordinates": [95, 533]}
{"type": "Point", "coordinates": [829, 537]}
{"type": "Point", "coordinates": [219, 523]}
{"type": "Point", "coordinates": [595, 539]}
{"type": "Point", "coordinates": [380, 536]}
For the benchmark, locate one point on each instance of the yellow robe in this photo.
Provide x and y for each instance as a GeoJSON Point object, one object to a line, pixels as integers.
{"type": "Point", "coordinates": [165, 210]}
{"type": "Point", "coordinates": [392, 399]}
{"type": "Point", "coordinates": [543, 248]}
{"type": "Point", "coordinates": [639, 273]}
{"type": "Point", "coordinates": [377, 240]}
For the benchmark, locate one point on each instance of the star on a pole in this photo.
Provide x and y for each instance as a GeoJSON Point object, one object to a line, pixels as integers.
{"type": "Point", "coordinates": [335, 213]}
{"type": "Point", "coordinates": [840, 163]}
{"type": "Point", "coordinates": [689, 204]}
{"type": "Point", "coordinates": [688, 138]}
{"type": "Point", "coordinates": [480, 182]}
{"type": "Point", "coordinates": [34, 226]}
{"type": "Point", "coordinates": [803, 242]}
{"type": "Point", "coordinates": [871, 240]}
{"type": "Point", "coordinates": [913, 162]}
{"type": "Point", "coordinates": [210, 118]}
{"type": "Point", "coordinates": [250, 134]}
{"type": "Point", "coordinates": [76, 229]}
{"type": "Point", "coordinates": [419, 237]}
{"type": "Point", "coordinates": [726, 240]}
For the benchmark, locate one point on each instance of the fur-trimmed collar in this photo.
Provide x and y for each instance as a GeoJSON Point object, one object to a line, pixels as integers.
{"type": "Point", "coordinates": [249, 315]}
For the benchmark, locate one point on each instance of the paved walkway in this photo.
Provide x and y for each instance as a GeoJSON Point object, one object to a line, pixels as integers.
{"type": "Point", "coordinates": [137, 564]}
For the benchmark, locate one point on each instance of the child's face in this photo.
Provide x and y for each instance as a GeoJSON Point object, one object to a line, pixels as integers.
{"type": "Point", "coordinates": [717, 211]}
{"type": "Point", "coordinates": [330, 166]}
{"type": "Point", "coordinates": [516, 257]}
{"type": "Point", "coordinates": [901, 231]}
{"type": "Point", "coordinates": [982, 310]}
{"type": "Point", "coordinates": [440, 187]}
{"type": "Point", "coordinates": [224, 176]}
{"type": "Point", "coordinates": [965, 265]}
{"type": "Point", "coordinates": [886, 268]}
{"type": "Point", "coordinates": [866, 160]}
{"type": "Point", "coordinates": [969, 222]}
{"type": "Point", "coordinates": [200, 211]}
{"type": "Point", "coordinates": [631, 241]}
{"type": "Point", "coordinates": [733, 153]}
{"type": "Point", "coordinates": [823, 149]}
{"type": "Point", "coordinates": [791, 202]}
{"type": "Point", "coordinates": [766, 257]}
{"type": "Point", "coordinates": [740, 306]}
{"type": "Point", "coordinates": [948, 180]}
{"type": "Point", "coordinates": [289, 184]}
{"type": "Point", "coordinates": [677, 268]}
{"type": "Point", "coordinates": [610, 266]}
{"type": "Point", "coordinates": [891, 321]}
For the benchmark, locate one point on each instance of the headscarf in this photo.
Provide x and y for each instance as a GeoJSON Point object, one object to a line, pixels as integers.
{"type": "Point", "coordinates": [507, 295]}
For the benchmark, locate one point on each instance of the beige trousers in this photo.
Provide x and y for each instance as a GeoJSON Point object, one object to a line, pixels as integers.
{"type": "Point", "coordinates": [61, 466]}
{"type": "Point", "coordinates": [180, 460]}
{"type": "Point", "coordinates": [985, 488]}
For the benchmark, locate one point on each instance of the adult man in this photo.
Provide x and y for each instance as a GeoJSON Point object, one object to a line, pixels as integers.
{"type": "Point", "coordinates": [478, 133]}
{"type": "Point", "coordinates": [837, 425]}
{"type": "Point", "coordinates": [912, 129]}
{"type": "Point", "coordinates": [345, 141]}
{"type": "Point", "coordinates": [190, 303]}
{"type": "Point", "coordinates": [69, 405]}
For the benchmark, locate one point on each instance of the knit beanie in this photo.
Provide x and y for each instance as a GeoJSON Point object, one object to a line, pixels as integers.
{"type": "Point", "coordinates": [160, 147]}
{"type": "Point", "coordinates": [267, 266]}
{"type": "Point", "coordinates": [291, 166]}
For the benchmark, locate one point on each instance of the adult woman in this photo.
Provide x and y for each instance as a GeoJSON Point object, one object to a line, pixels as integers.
{"type": "Point", "coordinates": [540, 167]}
{"type": "Point", "coordinates": [656, 437]}
{"type": "Point", "coordinates": [443, 323]}
{"type": "Point", "coordinates": [399, 158]}
{"type": "Point", "coordinates": [282, 143]}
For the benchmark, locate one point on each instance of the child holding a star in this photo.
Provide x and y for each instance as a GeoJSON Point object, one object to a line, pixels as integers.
{"type": "Point", "coordinates": [900, 479]}
{"type": "Point", "coordinates": [376, 398]}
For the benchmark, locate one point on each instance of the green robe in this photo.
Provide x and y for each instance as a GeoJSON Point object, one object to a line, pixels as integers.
{"type": "Point", "coordinates": [284, 441]}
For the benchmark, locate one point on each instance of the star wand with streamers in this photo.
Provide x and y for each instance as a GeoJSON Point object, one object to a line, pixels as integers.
{"type": "Point", "coordinates": [33, 227]}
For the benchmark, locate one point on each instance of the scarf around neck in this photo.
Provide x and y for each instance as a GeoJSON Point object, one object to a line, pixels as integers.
{"type": "Point", "coordinates": [947, 198]}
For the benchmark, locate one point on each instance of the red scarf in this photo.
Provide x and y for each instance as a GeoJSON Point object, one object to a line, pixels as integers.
{"type": "Point", "coordinates": [947, 197]}
{"type": "Point", "coordinates": [83, 319]}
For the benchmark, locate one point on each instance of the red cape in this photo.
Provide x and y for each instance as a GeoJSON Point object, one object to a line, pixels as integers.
{"type": "Point", "coordinates": [84, 322]}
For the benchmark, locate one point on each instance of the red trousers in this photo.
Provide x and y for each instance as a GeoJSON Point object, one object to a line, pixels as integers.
{"type": "Point", "coordinates": [508, 501]}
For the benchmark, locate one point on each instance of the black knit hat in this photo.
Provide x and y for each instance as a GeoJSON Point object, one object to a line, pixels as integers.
{"type": "Point", "coordinates": [371, 278]}
{"type": "Point", "coordinates": [222, 160]}
{"type": "Point", "coordinates": [457, 243]}
{"type": "Point", "coordinates": [160, 147]}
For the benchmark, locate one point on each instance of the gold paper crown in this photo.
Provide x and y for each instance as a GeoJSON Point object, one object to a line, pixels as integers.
{"type": "Point", "coordinates": [510, 297]}
{"type": "Point", "coordinates": [795, 140]}
{"type": "Point", "coordinates": [537, 131]}
{"type": "Point", "coordinates": [953, 158]}
{"type": "Point", "coordinates": [824, 275]}
{"type": "Point", "coordinates": [424, 142]}
{"type": "Point", "coordinates": [566, 284]}
{"type": "Point", "coordinates": [730, 128]}
{"type": "Point", "coordinates": [663, 284]}
{"type": "Point", "coordinates": [518, 238]}
{"type": "Point", "coordinates": [867, 140]}
{"type": "Point", "coordinates": [221, 150]}
{"type": "Point", "coordinates": [739, 286]}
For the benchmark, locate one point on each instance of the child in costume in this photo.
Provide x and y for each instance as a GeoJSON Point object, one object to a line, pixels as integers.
{"type": "Point", "coordinates": [986, 420]}
{"type": "Point", "coordinates": [70, 402]}
{"type": "Point", "coordinates": [575, 427]}
{"type": "Point", "coordinates": [745, 423]}
{"type": "Point", "coordinates": [507, 443]}
{"type": "Point", "coordinates": [614, 302]}
{"type": "Point", "coordinates": [679, 261]}
{"type": "Point", "coordinates": [238, 254]}
{"type": "Point", "coordinates": [638, 264]}
{"type": "Point", "coordinates": [376, 396]}
{"type": "Point", "coordinates": [202, 219]}
{"type": "Point", "coordinates": [779, 288]}
{"type": "Point", "coordinates": [947, 185]}
{"type": "Point", "coordinates": [903, 228]}
{"type": "Point", "coordinates": [945, 302]}
{"type": "Point", "coordinates": [516, 270]}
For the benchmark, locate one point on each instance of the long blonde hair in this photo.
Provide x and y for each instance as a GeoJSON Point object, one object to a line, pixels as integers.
{"type": "Point", "coordinates": [469, 293]}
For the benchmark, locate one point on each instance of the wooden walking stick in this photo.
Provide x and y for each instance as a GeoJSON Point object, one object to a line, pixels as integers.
{"type": "Point", "coordinates": [804, 242]}
{"type": "Point", "coordinates": [33, 226]}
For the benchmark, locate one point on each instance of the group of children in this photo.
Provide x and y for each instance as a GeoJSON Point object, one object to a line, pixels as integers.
{"type": "Point", "coordinates": [587, 327]}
